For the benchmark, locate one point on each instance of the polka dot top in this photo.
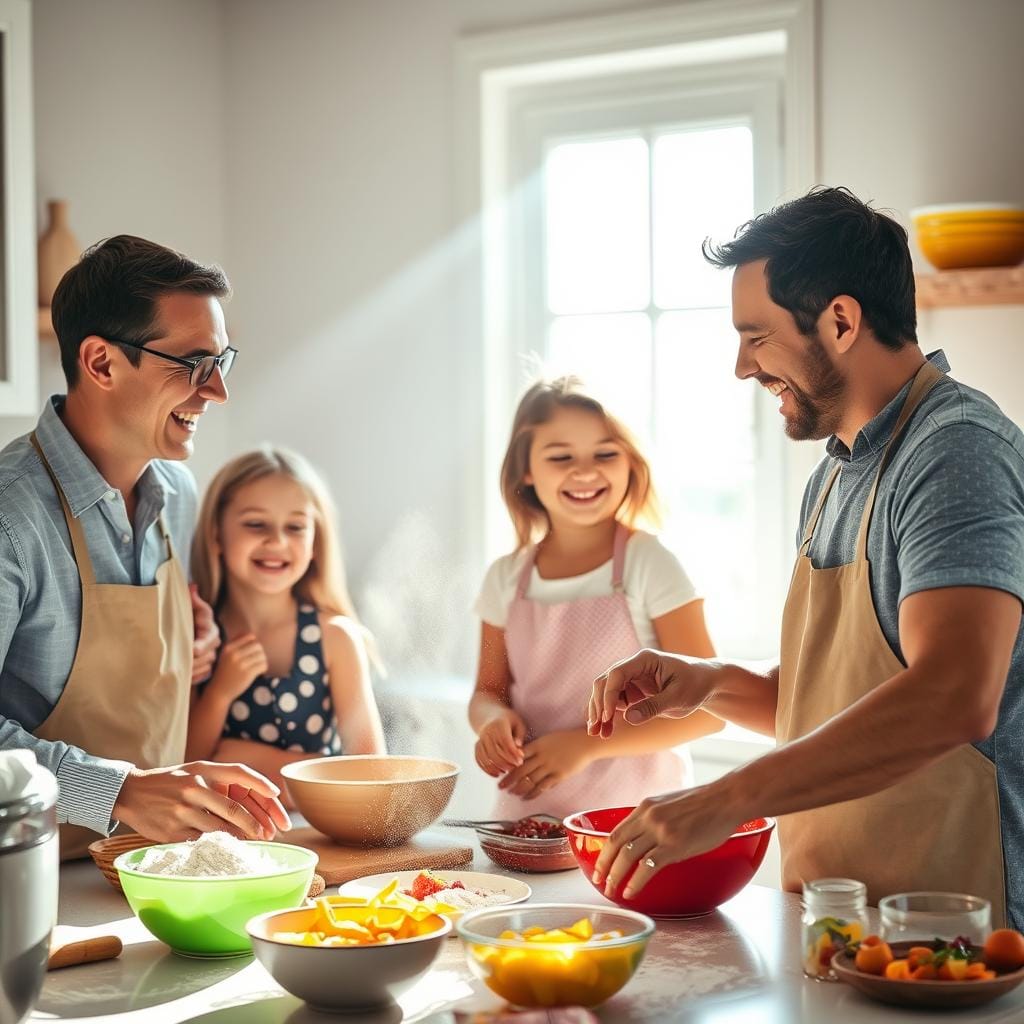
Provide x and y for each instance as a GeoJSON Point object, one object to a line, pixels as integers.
{"type": "Point", "coordinates": [293, 712]}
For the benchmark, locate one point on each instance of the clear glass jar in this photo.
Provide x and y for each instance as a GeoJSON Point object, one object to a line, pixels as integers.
{"type": "Point", "coordinates": [835, 914]}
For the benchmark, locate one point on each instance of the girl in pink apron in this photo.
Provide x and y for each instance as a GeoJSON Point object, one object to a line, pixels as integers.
{"type": "Point", "coordinates": [583, 589]}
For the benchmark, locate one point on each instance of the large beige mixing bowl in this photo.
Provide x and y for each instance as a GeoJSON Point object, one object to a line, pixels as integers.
{"type": "Point", "coordinates": [369, 799]}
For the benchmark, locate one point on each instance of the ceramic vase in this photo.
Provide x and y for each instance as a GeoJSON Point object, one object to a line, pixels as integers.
{"type": "Point", "coordinates": [58, 251]}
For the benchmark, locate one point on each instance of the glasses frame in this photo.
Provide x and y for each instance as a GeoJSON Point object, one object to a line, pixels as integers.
{"type": "Point", "coordinates": [192, 362]}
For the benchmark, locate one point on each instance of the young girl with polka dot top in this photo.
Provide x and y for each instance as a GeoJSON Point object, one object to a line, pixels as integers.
{"type": "Point", "coordinates": [292, 677]}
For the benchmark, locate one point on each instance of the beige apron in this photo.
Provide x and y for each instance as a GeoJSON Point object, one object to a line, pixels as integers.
{"type": "Point", "coordinates": [128, 692]}
{"type": "Point", "coordinates": [938, 829]}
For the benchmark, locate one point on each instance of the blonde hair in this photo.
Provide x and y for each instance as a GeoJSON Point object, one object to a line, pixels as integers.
{"type": "Point", "coordinates": [323, 584]}
{"type": "Point", "coordinates": [641, 505]}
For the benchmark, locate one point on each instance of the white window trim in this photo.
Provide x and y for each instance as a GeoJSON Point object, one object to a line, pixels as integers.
{"type": "Point", "coordinates": [19, 340]}
{"type": "Point", "coordinates": [497, 73]}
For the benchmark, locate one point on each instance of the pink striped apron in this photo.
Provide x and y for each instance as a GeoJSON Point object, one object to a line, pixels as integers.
{"type": "Point", "coordinates": [555, 652]}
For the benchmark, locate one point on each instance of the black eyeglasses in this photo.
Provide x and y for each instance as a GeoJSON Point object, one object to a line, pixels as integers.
{"type": "Point", "coordinates": [202, 367]}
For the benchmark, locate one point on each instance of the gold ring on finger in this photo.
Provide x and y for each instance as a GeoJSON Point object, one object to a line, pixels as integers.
{"type": "Point", "coordinates": [629, 845]}
{"type": "Point", "coordinates": [649, 862]}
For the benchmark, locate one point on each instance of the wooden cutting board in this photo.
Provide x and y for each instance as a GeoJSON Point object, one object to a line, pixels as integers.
{"type": "Point", "coordinates": [343, 863]}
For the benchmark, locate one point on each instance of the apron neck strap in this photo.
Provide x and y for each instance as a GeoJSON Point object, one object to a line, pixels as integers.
{"type": "Point", "coordinates": [78, 544]}
{"type": "Point", "coordinates": [812, 522]}
{"type": "Point", "coordinates": [619, 556]}
{"type": "Point", "coordinates": [618, 562]}
{"type": "Point", "coordinates": [924, 380]}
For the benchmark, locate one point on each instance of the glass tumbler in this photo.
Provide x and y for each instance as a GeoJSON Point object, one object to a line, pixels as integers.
{"type": "Point", "coordinates": [927, 916]}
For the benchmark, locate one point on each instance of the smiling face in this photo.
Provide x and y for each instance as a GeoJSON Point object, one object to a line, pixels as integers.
{"type": "Point", "coordinates": [266, 533]}
{"type": "Point", "coordinates": [578, 469]}
{"type": "Point", "coordinates": [156, 409]}
{"type": "Point", "coordinates": [794, 367]}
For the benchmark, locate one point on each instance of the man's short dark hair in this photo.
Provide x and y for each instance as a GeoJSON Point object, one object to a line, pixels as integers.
{"type": "Point", "coordinates": [112, 292]}
{"type": "Point", "coordinates": [829, 243]}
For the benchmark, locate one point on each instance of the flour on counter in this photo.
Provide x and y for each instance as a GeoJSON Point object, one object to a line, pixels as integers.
{"type": "Point", "coordinates": [212, 855]}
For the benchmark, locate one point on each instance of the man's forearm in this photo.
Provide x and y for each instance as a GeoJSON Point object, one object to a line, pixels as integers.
{"type": "Point", "coordinates": [746, 698]}
{"type": "Point", "coordinates": [880, 740]}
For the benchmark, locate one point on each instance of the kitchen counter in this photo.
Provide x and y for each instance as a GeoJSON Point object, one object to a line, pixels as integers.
{"type": "Point", "coordinates": [740, 965]}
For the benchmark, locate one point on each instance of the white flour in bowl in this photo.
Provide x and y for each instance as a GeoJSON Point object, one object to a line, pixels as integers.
{"type": "Point", "coordinates": [467, 899]}
{"type": "Point", "coordinates": [214, 854]}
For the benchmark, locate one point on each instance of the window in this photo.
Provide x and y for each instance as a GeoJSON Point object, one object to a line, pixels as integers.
{"type": "Point", "coordinates": [601, 171]}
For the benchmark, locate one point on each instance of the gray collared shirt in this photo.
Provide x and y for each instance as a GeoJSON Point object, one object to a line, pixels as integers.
{"type": "Point", "coordinates": [41, 597]}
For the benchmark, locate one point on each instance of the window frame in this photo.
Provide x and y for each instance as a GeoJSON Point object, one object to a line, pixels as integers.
{"type": "Point", "coordinates": [503, 81]}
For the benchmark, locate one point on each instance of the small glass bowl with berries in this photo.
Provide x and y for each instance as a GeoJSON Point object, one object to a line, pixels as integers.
{"type": "Point", "coordinates": [534, 844]}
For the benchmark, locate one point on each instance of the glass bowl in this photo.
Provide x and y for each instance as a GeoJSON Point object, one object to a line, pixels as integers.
{"type": "Point", "coordinates": [516, 853]}
{"type": "Point", "coordinates": [206, 917]}
{"type": "Point", "coordinates": [935, 915]}
{"type": "Point", "coordinates": [540, 974]}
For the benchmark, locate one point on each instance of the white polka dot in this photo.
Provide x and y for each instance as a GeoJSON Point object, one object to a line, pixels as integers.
{"type": "Point", "coordinates": [306, 688]}
{"type": "Point", "coordinates": [287, 702]}
{"type": "Point", "coordinates": [246, 736]}
{"type": "Point", "coordinates": [306, 609]}
{"type": "Point", "coordinates": [240, 711]}
{"type": "Point", "coordinates": [297, 746]}
{"type": "Point", "coordinates": [308, 664]}
{"type": "Point", "coordinates": [291, 725]}
{"type": "Point", "coordinates": [327, 703]}
{"type": "Point", "coordinates": [262, 696]}
{"type": "Point", "coordinates": [310, 633]}
{"type": "Point", "coordinates": [315, 723]}
{"type": "Point", "coordinates": [268, 732]}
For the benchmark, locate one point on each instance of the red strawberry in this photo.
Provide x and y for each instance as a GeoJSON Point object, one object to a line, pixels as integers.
{"type": "Point", "coordinates": [425, 884]}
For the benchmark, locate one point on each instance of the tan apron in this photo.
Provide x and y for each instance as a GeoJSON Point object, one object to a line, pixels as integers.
{"type": "Point", "coordinates": [938, 829]}
{"type": "Point", "coordinates": [128, 692]}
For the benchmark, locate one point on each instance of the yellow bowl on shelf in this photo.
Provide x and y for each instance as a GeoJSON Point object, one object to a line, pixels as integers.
{"type": "Point", "coordinates": [953, 237]}
{"type": "Point", "coordinates": [543, 973]}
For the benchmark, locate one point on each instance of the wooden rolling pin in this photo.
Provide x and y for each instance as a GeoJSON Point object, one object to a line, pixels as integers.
{"type": "Point", "coordinates": [66, 950]}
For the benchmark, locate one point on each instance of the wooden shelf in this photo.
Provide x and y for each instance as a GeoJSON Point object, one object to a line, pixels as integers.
{"type": "Point", "coordinates": [45, 326]}
{"type": "Point", "coordinates": [995, 286]}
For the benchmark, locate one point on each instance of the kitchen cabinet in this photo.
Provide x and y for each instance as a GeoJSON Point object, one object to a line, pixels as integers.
{"type": "Point", "coordinates": [740, 964]}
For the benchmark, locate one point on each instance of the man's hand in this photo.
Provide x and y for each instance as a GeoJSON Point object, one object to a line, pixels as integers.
{"type": "Point", "coordinates": [548, 761]}
{"type": "Point", "coordinates": [647, 685]}
{"type": "Point", "coordinates": [241, 661]}
{"type": "Point", "coordinates": [499, 745]}
{"type": "Point", "coordinates": [173, 804]}
{"type": "Point", "coordinates": [663, 830]}
{"type": "Point", "coordinates": [206, 637]}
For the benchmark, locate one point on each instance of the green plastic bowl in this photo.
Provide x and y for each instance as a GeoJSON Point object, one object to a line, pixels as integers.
{"type": "Point", "coordinates": [207, 916]}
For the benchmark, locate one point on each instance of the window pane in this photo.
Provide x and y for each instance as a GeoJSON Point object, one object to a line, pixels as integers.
{"type": "Point", "coordinates": [703, 186]}
{"type": "Point", "coordinates": [596, 217]}
{"type": "Point", "coordinates": [612, 354]}
{"type": "Point", "coordinates": [704, 426]}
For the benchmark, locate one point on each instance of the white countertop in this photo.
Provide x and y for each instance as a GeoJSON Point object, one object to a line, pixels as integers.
{"type": "Point", "coordinates": [740, 965]}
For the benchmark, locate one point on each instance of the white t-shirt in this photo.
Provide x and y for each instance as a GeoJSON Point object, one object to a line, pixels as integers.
{"type": "Point", "coordinates": [653, 580]}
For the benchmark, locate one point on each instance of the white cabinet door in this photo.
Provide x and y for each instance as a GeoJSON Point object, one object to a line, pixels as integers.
{"type": "Point", "coordinates": [19, 340]}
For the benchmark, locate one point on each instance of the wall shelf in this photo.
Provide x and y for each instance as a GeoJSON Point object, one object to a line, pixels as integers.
{"type": "Point", "coordinates": [993, 286]}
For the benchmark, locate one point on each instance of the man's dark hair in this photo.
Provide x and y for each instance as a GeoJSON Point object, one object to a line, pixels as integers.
{"type": "Point", "coordinates": [112, 292]}
{"type": "Point", "coordinates": [829, 243]}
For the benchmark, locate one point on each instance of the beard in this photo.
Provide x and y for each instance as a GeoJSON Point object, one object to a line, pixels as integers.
{"type": "Point", "coordinates": [819, 402]}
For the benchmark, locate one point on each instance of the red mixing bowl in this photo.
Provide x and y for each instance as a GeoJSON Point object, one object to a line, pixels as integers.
{"type": "Point", "coordinates": [687, 888]}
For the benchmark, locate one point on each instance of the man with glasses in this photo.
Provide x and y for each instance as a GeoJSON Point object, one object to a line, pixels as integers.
{"type": "Point", "coordinates": [100, 638]}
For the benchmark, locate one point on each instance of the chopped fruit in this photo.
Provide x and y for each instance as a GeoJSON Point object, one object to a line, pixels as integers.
{"type": "Point", "coordinates": [426, 884]}
{"type": "Point", "coordinates": [897, 971]}
{"type": "Point", "coordinates": [537, 828]}
{"type": "Point", "coordinates": [1004, 950]}
{"type": "Point", "coordinates": [873, 956]}
{"type": "Point", "coordinates": [918, 956]}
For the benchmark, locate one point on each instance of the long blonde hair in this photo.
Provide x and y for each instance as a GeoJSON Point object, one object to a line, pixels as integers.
{"type": "Point", "coordinates": [641, 505]}
{"type": "Point", "coordinates": [323, 584]}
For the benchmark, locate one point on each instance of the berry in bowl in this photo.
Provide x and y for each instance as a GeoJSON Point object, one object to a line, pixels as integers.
{"type": "Point", "coordinates": [535, 844]}
{"type": "Point", "coordinates": [688, 888]}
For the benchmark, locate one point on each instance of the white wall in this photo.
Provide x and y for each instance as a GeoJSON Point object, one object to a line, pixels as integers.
{"type": "Point", "coordinates": [308, 145]}
{"type": "Point", "coordinates": [129, 103]}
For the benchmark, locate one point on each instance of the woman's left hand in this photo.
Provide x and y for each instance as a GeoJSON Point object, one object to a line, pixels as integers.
{"type": "Point", "coordinates": [662, 830]}
{"type": "Point", "coordinates": [548, 760]}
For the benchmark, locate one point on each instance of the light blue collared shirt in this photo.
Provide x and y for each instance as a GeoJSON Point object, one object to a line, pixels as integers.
{"type": "Point", "coordinates": [41, 596]}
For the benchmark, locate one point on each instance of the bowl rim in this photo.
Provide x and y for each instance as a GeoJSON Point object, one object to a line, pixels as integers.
{"type": "Point", "coordinates": [769, 824]}
{"type": "Point", "coordinates": [465, 932]}
{"type": "Point", "coordinates": [437, 933]}
{"type": "Point", "coordinates": [976, 207]}
{"type": "Point", "coordinates": [291, 771]}
{"type": "Point", "coordinates": [131, 872]}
